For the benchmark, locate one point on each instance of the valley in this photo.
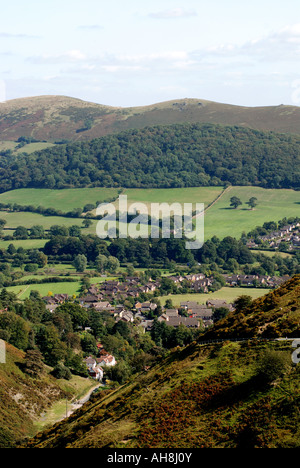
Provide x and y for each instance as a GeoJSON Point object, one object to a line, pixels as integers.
{"type": "Point", "coordinates": [162, 329]}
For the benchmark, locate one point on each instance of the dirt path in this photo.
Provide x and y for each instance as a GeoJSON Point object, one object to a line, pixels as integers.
{"type": "Point", "coordinates": [214, 202]}
{"type": "Point", "coordinates": [78, 403]}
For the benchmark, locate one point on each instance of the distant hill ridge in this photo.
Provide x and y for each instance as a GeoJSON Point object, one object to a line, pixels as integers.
{"type": "Point", "coordinates": [60, 118]}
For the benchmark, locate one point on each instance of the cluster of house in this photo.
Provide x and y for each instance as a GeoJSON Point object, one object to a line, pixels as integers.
{"type": "Point", "coordinates": [289, 233]}
{"type": "Point", "coordinates": [197, 281]}
{"type": "Point", "coordinates": [96, 366]}
{"type": "Point", "coordinates": [264, 281]}
{"type": "Point", "coordinates": [190, 314]}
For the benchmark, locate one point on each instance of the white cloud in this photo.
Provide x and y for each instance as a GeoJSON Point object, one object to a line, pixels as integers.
{"type": "Point", "coordinates": [173, 13]}
{"type": "Point", "coordinates": [91, 27]}
{"type": "Point", "coordinates": [67, 57]}
{"type": "Point", "coordinates": [6, 35]}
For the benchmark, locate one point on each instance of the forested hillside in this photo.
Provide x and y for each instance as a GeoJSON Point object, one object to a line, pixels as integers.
{"type": "Point", "coordinates": [162, 156]}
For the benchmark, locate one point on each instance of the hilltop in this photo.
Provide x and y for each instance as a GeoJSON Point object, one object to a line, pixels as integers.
{"type": "Point", "coordinates": [60, 118]}
{"type": "Point", "coordinates": [234, 394]}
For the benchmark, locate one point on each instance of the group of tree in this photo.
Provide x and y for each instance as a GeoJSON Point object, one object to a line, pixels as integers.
{"type": "Point", "coordinates": [235, 202]}
{"type": "Point", "coordinates": [182, 155]}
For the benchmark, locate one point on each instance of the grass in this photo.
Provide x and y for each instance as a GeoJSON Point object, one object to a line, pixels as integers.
{"type": "Point", "coordinates": [226, 293]}
{"type": "Point", "coordinates": [269, 253]}
{"type": "Point", "coordinates": [64, 200]}
{"type": "Point", "coordinates": [204, 195]}
{"type": "Point", "coordinates": [15, 219]}
{"type": "Point", "coordinates": [26, 243]}
{"type": "Point", "coordinates": [23, 291]}
{"type": "Point", "coordinates": [78, 386]}
{"type": "Point", "coordinates": [220, 219]}
{"type": "Point", "coordinates": [272, 205]}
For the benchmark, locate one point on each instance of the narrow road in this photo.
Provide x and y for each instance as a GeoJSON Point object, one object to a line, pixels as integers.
{"type": "Point", "coordinates": [78, 404]}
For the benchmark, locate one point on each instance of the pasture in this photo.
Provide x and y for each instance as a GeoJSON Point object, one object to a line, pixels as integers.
{"type": "Point", "coordinates": [64, 200]}
{"type": "Point", "coordinates": [227, 294]}
{"type": "Point", "coordinates": [220, 219]}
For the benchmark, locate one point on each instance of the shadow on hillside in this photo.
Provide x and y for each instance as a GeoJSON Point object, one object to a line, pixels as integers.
{"type": "Point", "coordinates": [238, 393]}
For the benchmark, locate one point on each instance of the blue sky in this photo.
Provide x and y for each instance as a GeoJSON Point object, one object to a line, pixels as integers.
{"type": "Point", "coordinates": [138, 53]}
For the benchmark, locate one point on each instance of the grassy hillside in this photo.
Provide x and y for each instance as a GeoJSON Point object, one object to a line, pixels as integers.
{"type": "Point", "coordinates": [275, 315]}
{"type": "Point", "coordinates": [218, 395]}
{"type": "Point", "coordinates": [56, 118]}
{"type": "Point", "coordinates": [23, 399]}
{"type": "Point", "coordinates": [26, 403]}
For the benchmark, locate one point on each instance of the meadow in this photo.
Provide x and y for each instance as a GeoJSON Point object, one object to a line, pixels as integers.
{"type": "Point", "coordinates": [220, 219]}
{"type": "Point", "coordinates": [272, 205]}
{"type": "Point", "coordinates": [64, 200]}
{"type": "Point", "coordinates": [227, 294]}
{"type": "Point", "coordinates": [23, 291]}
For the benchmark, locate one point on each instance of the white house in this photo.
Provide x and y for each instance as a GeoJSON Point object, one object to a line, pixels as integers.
{"type": "Point", "coordinates": [94, 369]}
{"type": "Point", "coordinates": [106, 360]}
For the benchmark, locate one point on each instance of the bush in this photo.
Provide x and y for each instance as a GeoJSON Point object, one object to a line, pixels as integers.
{"type": "Point", "coordinates": [273, 365]}
{"type": "Point", "coordinates": [62, 372]}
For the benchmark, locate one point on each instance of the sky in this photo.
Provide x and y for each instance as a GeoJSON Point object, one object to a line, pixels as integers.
{"type": "Point", "coordinates": [135, 53]}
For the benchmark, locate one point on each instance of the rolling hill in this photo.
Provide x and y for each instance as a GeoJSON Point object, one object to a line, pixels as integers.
{"type": "Point", "coordinates": [59, 118]}
{"type": "Point", "coordinates": [231, 394]}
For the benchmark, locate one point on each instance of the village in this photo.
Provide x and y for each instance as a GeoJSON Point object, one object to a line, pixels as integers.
{"type": "Point", "coordinates": [286, 238]}
{"type": "Point", "coordinates": [109, 296]}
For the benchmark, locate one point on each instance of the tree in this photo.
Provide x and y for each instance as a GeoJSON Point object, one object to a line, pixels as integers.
{"type": "Point", "coordinates": [252, 202]}
{"type": "Point", "coordinates": [37, 232]}
{"type": "Point", "coordinates": [78, 315]}
{"type": "Point", "coordinates": [242, 302]}
{"type": "Point", "coordinates": [112, 264]}
{"type": "Point", "coordinates": [75, 231]}
{"type": "Point", "coordinates": [87, 223]}
{"type": "Point", "coordinates": [235, 202]}
{"type": "Point", "coordinates": [34, 365]}
{"type": "Point", "coordinates": [220, 313]}
{"type": "Point", "coordinates": [100, 263]}
{"type": "Point", "coordinates": [21, 233]}
{"type": "Point", "coordinates": [80, 262]}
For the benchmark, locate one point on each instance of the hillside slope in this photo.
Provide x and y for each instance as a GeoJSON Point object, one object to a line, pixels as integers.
{"type": "Point", "coordinates": [272, 316]}
{"type": "Point", "coordinates": [218, 395]}
{"type": "Point", "coordinates": [56, 118]}
{"type": "Point", "coordinates": [22, 398]}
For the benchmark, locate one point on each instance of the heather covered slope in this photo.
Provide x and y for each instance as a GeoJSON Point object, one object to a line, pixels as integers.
{"type": "Point", "coordinates": [56, 118]}
{"type": "Point", "coordinates": [220, 395]}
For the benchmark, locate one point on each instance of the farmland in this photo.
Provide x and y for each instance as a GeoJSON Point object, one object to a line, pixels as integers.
{"type": "Point", "coordinates": [227, 294]}
{"type": "Point", "coordinates": [220, 219]}
{"type": "Point", "coordinates": [64, 200]}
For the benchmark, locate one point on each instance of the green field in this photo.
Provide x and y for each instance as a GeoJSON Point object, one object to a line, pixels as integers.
{"type": "Point", "coordinates": [29, 148]}
{"type": "Point", "coordinates": [23, 291]}
{"type": "Point", "coordinates": [272, 205]}
{"type": "Point", "coordinates": [15, 219]}
{"type": "Point", "coordinates": [220, 219]}
{"type": "Point", "coordinates": [64, 200]}
{"type": "Point", "coordinates": [27, 244]}
{"type": "Point", "coordinates": [204, 195]}
{"type": "Point", "coordinates": [226, 293]}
